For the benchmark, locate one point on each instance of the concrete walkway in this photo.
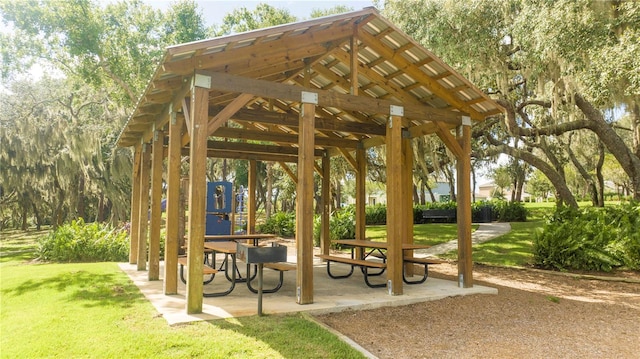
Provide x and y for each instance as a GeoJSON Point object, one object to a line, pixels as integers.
{"type": "Point", "coordinates": [485, 232]}
{"type": "Point", "coordinates": [330, 295]}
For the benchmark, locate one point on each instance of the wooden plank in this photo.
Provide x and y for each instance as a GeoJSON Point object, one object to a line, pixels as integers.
{"type": "Point", "coordinates": [162, 117]}
{"type": "Point", "coordinates": [244, 134]}
{"type": "Point", "coordinates": [223, 115]}
{"type": "Point", "coordinates": [325, 238]}
{"type": "Point", "coordinates": [256, 148]}
{"type": "Point", "coordinates": [394, 205]}
{"type": "Point", "coordinates": [227, 154]}
{"type": "Point", "coordinates": [304, 205]}
{"type": "Point", "coordinates": [353, 62]}
{"type": "Point", "coordinates": [450, 141]}
{"type": "Point", "coordinates": [252, 203]}
{"type": "Point", "coordinates": [143, 213]}
{"type": "Point", "coordinates": [414, 71]}
{"type": "Point", "coordinates": [288, 171]}
{"type": "Point", "coordinates": [402, 94]}
{"type": "Point", "coordinates": [422, 130]}
{"type": "Point", "coordinates": [357, 262]}
{"type": "Point", "coordinates": [361, 197]}
{"type": "Point", "coordinates": [173, 205]}
{"type": "Point", "coordinates": [463, 180]}
{"type": "Point", "coordinates": [230, 83]}
{"type": "Point", "coordinates": [157, 159]}
{"type": "Point", "coordinates": [307, 44]}
{"type": "Point", "coordinates": [407, 199]}
{"type": "Point", "coordinates": [347, 156]}
{"type": "Point", "coordinates": [291, 120]}
{"type": "Point", "coordinates": [197, 197]}
{"type": "Point", "coordinates": [135, 206]}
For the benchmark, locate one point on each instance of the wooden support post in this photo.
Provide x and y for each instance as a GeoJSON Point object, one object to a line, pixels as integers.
{"type": "Point", "coordinates": [135, 206]}
{"type": "Point", "coordinates": [305, 197]}
{"type": "Point", "coordinates": [143, 213]}
{"type": "Point", "coordinates": [361, 193]}
{"type": "Point", "coordinates": [197, 191]}
{"type": "Point", "coordinates": [251, 196]}
{"type": "Point", "coordinates": [156, 205]}
{"type": "Point", "coordinates": [325, 238]}
{"type": "Point", "coordinates": [395, 210]}
{"type": "Point", "coordinates": [463, 171]}
{"type": "Point", "coordinates": [171, 245]}
{"type": "Point", "coordinates": [407, 199]}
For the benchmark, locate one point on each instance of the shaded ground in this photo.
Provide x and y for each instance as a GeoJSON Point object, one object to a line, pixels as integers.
{"type": "Point", "coordinates": [535, 315]}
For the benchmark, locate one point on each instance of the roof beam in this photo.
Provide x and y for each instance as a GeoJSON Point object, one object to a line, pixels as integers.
{"type": "Point", "coordinates": [255, 148]}
{"type": "Point", "coordinates": [291, 120]}
{"type": "Point", "coordinates": [243, 134]}
{"type": "Point", "coordinates": [266, 89]}
{"type": "Point", "coordinates": [246, 156]}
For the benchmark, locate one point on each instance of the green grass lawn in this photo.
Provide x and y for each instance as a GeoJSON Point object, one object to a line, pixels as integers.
{"type": "Point", "coordinates": [512, 249]}
{"type": "Point", "coordinates": [427, 234]}
{"type": "Point", "coordinates": [94, 310]}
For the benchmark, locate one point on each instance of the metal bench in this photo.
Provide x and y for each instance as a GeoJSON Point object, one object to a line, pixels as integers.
{"type": "Point", "coordinates": [445, 215]}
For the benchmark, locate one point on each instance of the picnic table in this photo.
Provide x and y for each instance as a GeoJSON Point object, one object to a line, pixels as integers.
{"type": "Point", "coordinates": [374, 256]}
{"type": "Point", "coordinates": [227, 245]}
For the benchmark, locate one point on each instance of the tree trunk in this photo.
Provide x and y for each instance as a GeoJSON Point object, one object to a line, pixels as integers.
{"type": "Point", "coordinates": [81, 200]}
{"type": "Point", "coordinates": [599, 175]}
{"type": "Point", "coordinates": [37, 215]}
{"type": "Point", "coordinates": [591, 184]}
{"type": "Point", "coordinates": [24, 216]}
{"type": "Point", "coordinates": [629, 161]}
{"type": "Point", "coordinates": [563, 192]}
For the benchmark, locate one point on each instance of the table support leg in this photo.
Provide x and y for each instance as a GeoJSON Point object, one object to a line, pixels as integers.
{"type": "Point", "coordinates": [260, 282]}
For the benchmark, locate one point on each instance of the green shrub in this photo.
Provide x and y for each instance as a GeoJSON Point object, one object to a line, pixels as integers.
{"type": "Point", "coordinates": [376, 214]}
{"type": "Point", "coordinates": [281, 224]}
{"type": "Point", "coordinates": [342, 225]}
{"type": "Point", "coordinates": [591, 238]}
{"type": "Point", "coordinates": [509, 211]}
{"type": "Point", "coordinates": [84, 242]}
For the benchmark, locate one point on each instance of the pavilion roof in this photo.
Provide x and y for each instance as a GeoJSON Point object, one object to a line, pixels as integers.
{"type": "Point", "coordinates": [253, 73]}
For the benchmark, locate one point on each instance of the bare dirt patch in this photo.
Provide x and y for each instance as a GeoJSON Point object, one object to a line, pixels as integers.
{"type": "Point", "coordinates": [534, 315]}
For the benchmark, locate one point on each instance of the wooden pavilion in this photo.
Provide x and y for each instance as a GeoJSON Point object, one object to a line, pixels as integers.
{"type": "Point", "coordinates": [297, 93]}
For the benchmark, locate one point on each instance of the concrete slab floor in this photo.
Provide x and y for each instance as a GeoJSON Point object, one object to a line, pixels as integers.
{"type": "Point", "coordinates": [330, 295]}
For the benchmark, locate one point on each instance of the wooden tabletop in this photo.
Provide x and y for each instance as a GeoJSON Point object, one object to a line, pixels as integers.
{"type": "Point", "coordinates": [221, 247]}
{"type": "Point", "coordinates": [234, 237]}
{"type": "Point", "coordinates": [376, 244]}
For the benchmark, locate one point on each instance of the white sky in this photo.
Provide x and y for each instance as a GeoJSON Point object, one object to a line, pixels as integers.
{"type": "Point", "coordinates": [214, 10]}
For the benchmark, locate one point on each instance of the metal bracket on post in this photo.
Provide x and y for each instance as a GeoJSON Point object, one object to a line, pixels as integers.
{"type": "Point", "coordinates": [466, 121]}
{"type": "Point", "coordinates": [309, 97]}
{"type": "Point", "coordinates": [396, 110]}
{"type": "Point", "coordinates": [202, 81]}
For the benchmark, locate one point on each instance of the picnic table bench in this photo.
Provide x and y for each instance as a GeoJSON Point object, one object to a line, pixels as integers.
{"type": "Point", "coordinates": [276, 266]}
{"type": "Point", "coordinates": [425, 262]}
{"type": "Point", "coordinates": [362, 263]}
